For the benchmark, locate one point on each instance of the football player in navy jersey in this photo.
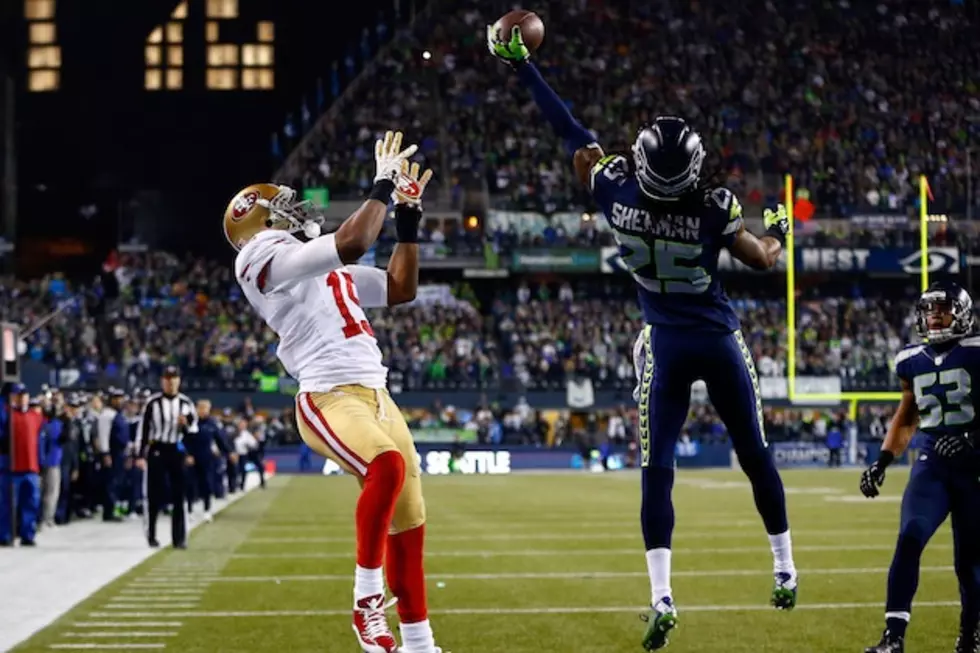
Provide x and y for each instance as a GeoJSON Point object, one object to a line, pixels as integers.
{"type": "Point", "coordinates": [670, 228]}
{"type": "Point", "coordinates": [937, 399]}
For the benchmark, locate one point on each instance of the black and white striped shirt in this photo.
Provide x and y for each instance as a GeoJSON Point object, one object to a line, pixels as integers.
{"type": "Point", "coordinates": [158, 423]}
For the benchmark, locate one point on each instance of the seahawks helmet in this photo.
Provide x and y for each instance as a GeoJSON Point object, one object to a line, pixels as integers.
{"type": "Point", "coordinates": [941, 299]}
{"type": "Point", "coordinates": [668, 156]}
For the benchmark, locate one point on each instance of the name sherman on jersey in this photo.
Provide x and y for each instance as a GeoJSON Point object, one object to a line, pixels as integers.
{"type": "Point", "coordinates": [325, 339]}
{"type": "Point", "coordinates": [671, 248]}
{"type": "Point", "coordinates": [942, 381]}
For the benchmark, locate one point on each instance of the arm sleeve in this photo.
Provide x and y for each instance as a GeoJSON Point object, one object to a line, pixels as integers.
{"type": "Point", "coordinates": [554, 109]}
{"type": "Point", "coordinates": [371, 284]}
{"type": "Point", "coordinates": [281, 263]}
{"type": "Point", "coordinates": [143, 432]}
{"type": "Point", "coordinates": [191, 413]}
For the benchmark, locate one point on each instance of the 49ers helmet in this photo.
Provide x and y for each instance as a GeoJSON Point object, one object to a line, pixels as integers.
{"type": "Point", "coordinates": [259, 207]}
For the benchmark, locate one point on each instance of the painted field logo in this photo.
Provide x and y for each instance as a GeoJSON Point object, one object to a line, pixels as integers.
{"type": "Point", "coordinates": [244, 204]}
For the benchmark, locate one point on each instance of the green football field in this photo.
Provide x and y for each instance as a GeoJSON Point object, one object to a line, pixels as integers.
{"type": "Point", "coordinates": [527, 563]}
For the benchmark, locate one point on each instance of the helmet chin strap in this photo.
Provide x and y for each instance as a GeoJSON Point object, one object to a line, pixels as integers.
{"type": "Point", "coordinates": [311, 230]}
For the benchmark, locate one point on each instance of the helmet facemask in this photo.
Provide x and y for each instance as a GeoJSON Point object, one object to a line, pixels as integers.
{"type": "Point", "coordinates": [942, 315]}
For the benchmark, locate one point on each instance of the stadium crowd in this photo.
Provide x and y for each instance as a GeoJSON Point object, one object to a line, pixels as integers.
{"type": "Point", "coordinates": [856, 99]}
{"type": "Point", "coordinates": [164, 310]}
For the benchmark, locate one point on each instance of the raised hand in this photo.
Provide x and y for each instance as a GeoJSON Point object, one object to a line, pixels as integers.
{"type": "Point", "coordinates": [512, 50]}
{"type": "Point", "coordinates": [410, 186]}
{"type": "Point", "coordinates": [388, 156]}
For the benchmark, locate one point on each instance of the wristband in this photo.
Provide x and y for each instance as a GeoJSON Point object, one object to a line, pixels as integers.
{"type": "Point", "coordinates": [407, 220]}
{"type": "Point", "coordinates": [777, 233]}
{"type": "Point", "coordinates": [885, 458]}
{"type": "Point", "coordinates": [382, 190]}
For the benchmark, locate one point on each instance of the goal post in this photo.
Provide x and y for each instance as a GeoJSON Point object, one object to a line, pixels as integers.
{"type": "Point", "coordinates": [851, 398]}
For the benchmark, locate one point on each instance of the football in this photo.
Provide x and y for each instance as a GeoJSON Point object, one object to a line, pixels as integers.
{"type": "Point", "coordinates": [532, 27]}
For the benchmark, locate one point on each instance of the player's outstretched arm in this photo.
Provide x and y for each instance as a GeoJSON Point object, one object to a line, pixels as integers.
{"type": "Point", "coordinates": [403, 267]}
{"type": "Point", "coordinates": [400, 282]}
{"type": "Point", "coordinates": [762, 253]}
{"type": "Point", "coordinates": [579, 140]}
{"type": "Point", "coordinates": [358, 232]}
{"type": "Point", "coordinates": [900, 432]}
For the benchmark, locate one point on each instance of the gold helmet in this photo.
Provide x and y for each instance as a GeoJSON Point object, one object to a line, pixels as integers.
{"type": "Point", "coordinates": [268, 206]}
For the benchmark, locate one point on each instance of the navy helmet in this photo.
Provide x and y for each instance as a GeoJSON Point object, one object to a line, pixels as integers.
{"type": "Point", "coordinates": [942, 299]}
{"type": "Point", "coordinates": [668, 156]}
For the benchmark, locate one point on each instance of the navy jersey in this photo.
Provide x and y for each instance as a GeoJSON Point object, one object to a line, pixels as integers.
{"type": "Point", "coordinates": [942, 381]}
{"type": "Point", "coordinates": [671, 249]}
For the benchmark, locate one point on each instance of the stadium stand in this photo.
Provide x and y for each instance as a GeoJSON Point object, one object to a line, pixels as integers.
{"type": "Point", "coordinates": [854, 99]}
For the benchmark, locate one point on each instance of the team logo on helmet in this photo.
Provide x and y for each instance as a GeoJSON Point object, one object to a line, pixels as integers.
{"type": "Point", "coordinates": [243, 204]}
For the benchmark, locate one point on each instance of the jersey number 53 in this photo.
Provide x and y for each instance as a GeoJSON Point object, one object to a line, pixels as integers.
{"type": "Point", "coordinates": [958, 409]}
{"type": "Point", "coordinates": [664, 266]}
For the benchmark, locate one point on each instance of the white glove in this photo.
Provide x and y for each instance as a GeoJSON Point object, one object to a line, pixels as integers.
{"type": "Point", "coordinates": [410, 186]}
{"type": "Point", "coordinates": [387, 157]}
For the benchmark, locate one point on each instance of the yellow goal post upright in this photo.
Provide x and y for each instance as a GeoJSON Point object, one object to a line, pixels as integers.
{"type": "Point", "coordinates": [852, 398]}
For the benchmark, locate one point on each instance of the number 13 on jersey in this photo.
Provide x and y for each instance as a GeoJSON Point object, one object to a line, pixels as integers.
{"type": "Point", "coordinates": [342, 285]}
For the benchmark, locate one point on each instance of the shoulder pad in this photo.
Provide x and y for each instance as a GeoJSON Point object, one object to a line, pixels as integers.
{"type": "Point", "coordinates": [972, 341]}
{"type": "Point", "coordinates": [725, 202]}
{"type": "Point", "coordinates": [612, 166]}
{"type": "Point", "coordinates": [908, 352]}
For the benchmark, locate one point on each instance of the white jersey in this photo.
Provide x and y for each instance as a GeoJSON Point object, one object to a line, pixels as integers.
{"type": "Point", "coordinates": [314, 304]}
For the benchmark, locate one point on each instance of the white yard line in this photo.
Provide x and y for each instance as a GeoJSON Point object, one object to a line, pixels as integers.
{"type": "Point", "coordinates": [573, 553]}
{"type": "Point", "coordinates": [102, 646]}
{"type": "Point", "coordinates": [245, 614]}
{"type": "Point", "coordinates": [579, 575]}
{"type": "Point", "coordinates": [135, 634]}
{"type": "Point", "coordinates": [126, 605]}
{"type": "Point", "coordinates": [564, 536]}
{"type": "Point", "coordinates": [128, 624]}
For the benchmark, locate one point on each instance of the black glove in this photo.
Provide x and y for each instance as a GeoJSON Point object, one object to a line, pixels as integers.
{"type": "Point", "coordinates": [952, 446]}
{"type": "Point", "coordinates": [874, 476]}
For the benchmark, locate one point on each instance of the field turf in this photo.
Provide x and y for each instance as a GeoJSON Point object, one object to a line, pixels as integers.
{"type": "Point", "coordinates": [527, 564]}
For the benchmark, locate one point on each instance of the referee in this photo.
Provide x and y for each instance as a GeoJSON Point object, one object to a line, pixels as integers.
{"type": "Point", "coordinates": [167, 417]}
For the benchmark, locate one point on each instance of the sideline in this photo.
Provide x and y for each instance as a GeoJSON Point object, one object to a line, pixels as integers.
{"type": "Point", "coordinates": [39, 585]}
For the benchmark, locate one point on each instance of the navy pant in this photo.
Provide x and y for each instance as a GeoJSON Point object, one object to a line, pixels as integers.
{"type": "Point", "coordinates": [23, 493]}
{"type": "Point", "coordinates": [200, 476]}
{"type": "Point", "coordinates": [674, 360]}
{"type": "Point", "coordinates": [938, 488]}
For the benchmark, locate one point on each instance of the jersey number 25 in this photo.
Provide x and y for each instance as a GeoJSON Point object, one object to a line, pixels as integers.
{"type": "Point", "coordinates": [657, 265]}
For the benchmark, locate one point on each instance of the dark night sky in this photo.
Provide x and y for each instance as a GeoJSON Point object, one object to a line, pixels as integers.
{"type": "Point", "coordinates": [102, 135]}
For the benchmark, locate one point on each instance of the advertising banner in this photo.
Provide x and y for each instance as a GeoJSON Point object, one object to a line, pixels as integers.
{"type": "Point", "coordinates": [874, 260]}
{"type": "Point", "coordinates": [555, 260]}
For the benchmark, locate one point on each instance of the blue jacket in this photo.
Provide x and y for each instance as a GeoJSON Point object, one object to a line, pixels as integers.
{"type": "Point", "coordinates": [119, 437]}
{"type": "Point", "coordinates": [208, 433]}
{"type": "Point", "coordinates": [51, 451]}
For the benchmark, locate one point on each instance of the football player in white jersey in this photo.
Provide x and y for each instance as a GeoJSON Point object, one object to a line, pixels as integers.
{"type": "Point", "coordinates": [312, 295]}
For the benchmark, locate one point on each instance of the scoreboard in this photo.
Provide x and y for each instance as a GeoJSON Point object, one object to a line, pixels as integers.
{"type": "Point", "coordinates": [202, 45]}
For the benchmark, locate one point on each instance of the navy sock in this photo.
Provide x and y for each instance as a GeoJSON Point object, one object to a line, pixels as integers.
{"type": "Point", "coordinates": [657, 509]}
{"type": "Point", "coordinates": [896, 627]}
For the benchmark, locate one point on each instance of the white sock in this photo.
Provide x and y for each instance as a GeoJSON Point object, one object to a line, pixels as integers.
{"type": "Point", "coordinates": [782, 553]}
{"type": "Point", "coordinates": [368, 582]}
{"type": "Point", "coordinates": [658, 566]}
{"type": "Point", "coordinates": [417, 637]}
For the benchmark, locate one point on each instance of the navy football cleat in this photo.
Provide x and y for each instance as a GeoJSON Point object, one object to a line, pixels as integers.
{"type": "Point", "coordinates": [784, 588]}
{"type": "Point", "coordinates": [662, 620]}
{"type": "Point", "coordinates": [968, 642]}
{"type": "Point", "coordinates": [888, 644]}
